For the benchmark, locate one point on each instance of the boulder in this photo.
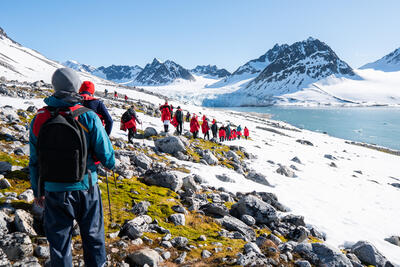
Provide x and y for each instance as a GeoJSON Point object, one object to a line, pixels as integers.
{"type": "Point", "coordinates": [177, 219]}
{"type": "Point", "coordinates": [206, 254]}
{"type": "Point", "coordinates": [304, 142]}
{"type": "Point", "coordinates": [142, 257]}
{"type": "Point", "coordinates": [302, 263]}
{"type": "Point", "coordinates": [4, 221]}
{"type": "Point", "coordinates": [179, 242]}
{"type": "Point", "coordinates": [261, 211]}
{"type": "Point", "coordinates": [233, 224]}
{"type": "Point", "coordinates": [225, 178]}
{"type": "Point", "coordinates": [164, 179]}
{"type": "Point", "coordinates": [321, 254]}
{"type": "Point", "coordinates": [299, 234]}
{"type": "Point", "coordinates": [181, 258]}
{"type": "Point", "coordinates": [143, 161]}
{"type": "Point", "coordinates": [251, 247]}
{"type": "Point", "coordinates": [4, 262]}
{"type": "Point", "coordinates": [27, 195]}
{"type": "Point", "coordinates": [150, 131]}
{"type": "Point", "coordinates": [210, 158]}
{"type": "Point", "coordinates": [134, 229]}
{"type": "Point", "coordinates": [170, 144]}
{"type": "Point", "coordinates": [395, 240]}
{"type": "Point", "coordinates": [42, 252]}
{"type": "Point", "coordinates": [5, 167]}
{"type": "Point", "coordinates": [214, 209]}
{"type": "Point", "coordinates": [258, 178]}
{"type": "Point", "coordinates": [23, 222]}
{"type": "Point", "coordinates": [16, 246]}
{"type": "Point", "coordinates": [190, 184]}
{"type": "Point", "coordinates": [296, 220]}
{"type": "Point", "coordinates": [296, 159]}
{"type": "Point", "coordinates": [247, 219]}
{"type": "Point", "coordinates": [141, 207]}
{"type": "Point", "coordinates": [368, 254]}
{"type": "Point", "coordinates": [286, 171]}
{"type": "Point", "coordinates": [28, 261]}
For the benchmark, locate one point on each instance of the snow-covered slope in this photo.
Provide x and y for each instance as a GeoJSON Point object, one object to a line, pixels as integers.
{"type": "Point", "coordinates": [390, 62]}
{"type": "Point", "coordinates": [20, 63]}
{"type": "Point", "coordinates": [73, 64]}
{"type": "Point", "coordinates": [293, 68]}
{"type": "Point", "coordinates": [158, 73]}
{"type": "Point", "coordinates": [211, 71]}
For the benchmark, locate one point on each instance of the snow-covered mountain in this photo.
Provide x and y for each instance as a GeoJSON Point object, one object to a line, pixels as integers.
{"type": "Point", "coordinates": [159, 73]}
{"type": "Point", "coordinates": [288, 69]}
{"type": "Point", "coordinates": [119, 73]}
{"type": "Point", "coordinates": [24, 64]}
{"type": "Point", "coordinates": [73, 64]}
{"type": "Point", "coordinates": [211, 71]}
{"type": "Point", "coordinates": [388, 63]}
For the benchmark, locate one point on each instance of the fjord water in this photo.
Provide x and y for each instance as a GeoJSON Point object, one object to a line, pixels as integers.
{"type": "Point", "coordinates": [373, 125]}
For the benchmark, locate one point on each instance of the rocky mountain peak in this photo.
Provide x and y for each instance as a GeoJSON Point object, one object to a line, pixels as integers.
{"type": "Point", "coordinates": [390, 62]}
{"type": "Point", "coordinates": [211, 70]}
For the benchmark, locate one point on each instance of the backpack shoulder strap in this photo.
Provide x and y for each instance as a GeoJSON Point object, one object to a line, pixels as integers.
{"type": "Point", "coordinates": [78, 110]}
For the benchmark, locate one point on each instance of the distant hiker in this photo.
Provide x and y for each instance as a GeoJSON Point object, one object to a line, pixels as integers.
{"type": "Point", "coordinates": [64, 137]}
{"type": "Point", "coordinates": [128, 122]}
{"type": "Point", "coordinates": [239, 131]}
{"type": "Point", "coordinates": [105, 92]}
{"type": "Point", "coordinates": [115, 95]}
{"type": "Point", "coordinates": [95, 104]}
{"type": "Point", "coordinates": [222, 133]}
{"type": "Point", "coordinates": [246, 132]}
{"type": "Point", "coordinates": [179, 120]}
{"type": "Point", "coordinates": [187, 117]}
{"type": "Point", "coordinates": [126, 98]}
{"type": "Point", "coordinates": [166, 112]}
{"type": "Point", "coordinates": [194, 126]}
{"type": "Point", "coordinates": [205, 128]}
{"type": "Point", "coordinates": [214, 129]}
{"type": "Point", "coordinates": [233, 134]}
{"type": "Point", "coordinates": [228, 132]}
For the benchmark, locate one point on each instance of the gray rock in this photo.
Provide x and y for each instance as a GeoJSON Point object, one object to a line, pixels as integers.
{"type": "Point", "coordinates": [28, 261]}
{"type": "Point", "coordinates": [4, 262]}
{"type": "Point", "coordinates": [368, 254]}
{"type": "Point", "coordinates": [225, 178]}
{"type": "Point", "coordinates": [261, 211]}
{"type": "Point", "coordinates": [177, 219]}
{"type": "Point", "coordinates": [143, 161]}
{"type": "Point", "coordinates": [22, 151]}
{"type": "Point", "coordinates": [170, 144]}
{"type": "Point", "coordinates": [302, 263]}
{"type": "Point", "coordinates": [181, 258]}
{"type": "Point", "coordinates": [23, 222]}
{"type": "Point", "coordinates": [233, 224]}
{"type": "Point", "coordinates": [247, 219]}
{"type": "Point", "coordinates": [397, 185]}
{"type": "Point", "coordinates": [251, 247]}
{"type": "Point", "coordinates": [5, 167]}
{"type": "Point", "coordinates": [322, 255]}
{"type": "Point", "coordinates": [134, 228]}
{"type": "Point", "coordinates": [150, 131]}
{"type": "Point", "coordinates": [296, 159]}
{"type": "Point", "coordinates": [329, 156]}
{"type": "Point", "coordinates": [31, 109]}
{"type": "Point", "coordinates": [190, 184]}
{"type": "Point", "coordinates": [214, 209]}
{"type": "Point", "coordinates": [258, 178]}
{"type": "Point", "coordinates": [296, 220]}
{"type": "Point", "coordinates": [252, 259]}
{"type": "Point", "coordinates": [232, 156]}
{"type": "Point", "coordinates": [144, 256]}
{"type": "Point", "coordinates": [42, 252]}
{"type": "Point", "coordinates": [210, 158]}
{"type": "Point", "coordinates": [179, 209]}
{"type": "Point", "coordinates": [166, 255]}
{"type": "Point", "coordinates": [16, 245]}
{"type": "Point", "coordinates": [276, 240]}
{"type": "Point", "coordinates": [304, 142]}
{"type": "Point", "coordinates": [4, 221]}
{"type": "Point", "coordinates": [299, 234]}
{"type": "Point", "coordinates": [27, 195]}
{"type": "Point", "coordinates": [179, 242]}
{"type": "Point", "coordinates": [166, 244]}
{"type": "Point", "coordinates": [354, 260]}
{"type": "Point", "coordinates": [164, 179]}
{"type": "Point", "coordinates": [140, 208]}
{"type": "Point", "coordinates": [284, 170]}
{"type": "Point", "coordinates": [202, 238]}
{"type": "Point", "coordinates": [137, 242]}
{"type": "Point", "coordinates": [206, 254]}
{"type": "Point", "coordinates": [395, 240]}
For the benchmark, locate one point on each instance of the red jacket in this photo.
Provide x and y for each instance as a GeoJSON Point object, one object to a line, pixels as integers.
{"type": "Point", "coordinates": [165, 112]}
{"type": "Point", "coordinates": [221, 133]}
{"type": "Point", "coordinates": [194, 125]}
{"type": "Point", "coordinates": [129, 124]}
{"type": "Point", "coordinates": [246, 132]}
{"type": "Point", "coordinates": [204, 126]}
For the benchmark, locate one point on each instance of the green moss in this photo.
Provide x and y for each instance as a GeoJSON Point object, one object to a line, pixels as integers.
{"type": "Point", "coordinates": [313, 239]}
{"type": "Point", "coordinates": [18, 186]}
{"type": "Point", "coordinates": [14, 159]}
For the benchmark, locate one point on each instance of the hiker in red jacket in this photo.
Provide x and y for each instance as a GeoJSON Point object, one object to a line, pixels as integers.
{"type": "Point", "coordinates": [166, 112]}
{"type": "Point", "coordinates": [222, 133]}
{"type": "Point", "coordinates": [205, 128]}
{"type": "Point", "coordinates": [126, 98]}
{"type": "Point", "coordinates": [194, 126]}
{"type": "Point", "coordinates": [115, 94]}
{"type": "Point", "coordinates": [246, 132]}
{"type": "Point", "coordinates": [128, 122]}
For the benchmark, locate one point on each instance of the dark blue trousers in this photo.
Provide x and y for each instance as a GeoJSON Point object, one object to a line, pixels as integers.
{"type": "Point", "coordinates": [61, 208]}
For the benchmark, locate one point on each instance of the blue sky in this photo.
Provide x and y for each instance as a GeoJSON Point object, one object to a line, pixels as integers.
{"type": "Point", "coordinates": [191, 32]}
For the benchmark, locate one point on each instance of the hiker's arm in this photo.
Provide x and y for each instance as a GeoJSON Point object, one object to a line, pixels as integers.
{"type": "Point", "coordinates": [33, 161]}
{"type": "Point", "coordinates": [106, 116]}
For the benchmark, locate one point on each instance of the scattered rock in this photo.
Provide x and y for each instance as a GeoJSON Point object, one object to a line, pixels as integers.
{"type": "Point", "coordinates": [210, 158]}
{"type": "Point", "coordinates": [251, 247]}
{"type": "Point", "coordinates": [27, 195]}
{"type": "Point", "coordinates": [214, 209]}
{"type": "Point", "coordinates": [150, 131]}
{"type": "Point", "coordinates": [28, 261]}
{"type": "Point", "coordinates": [164, 179]}
{"type": "Point", "coordinates": [142, 257]}
{"type": "Point", "coordinates": [297, 160]}
{"type": "Point", "coordinates": [206, 254]}
{"type": "Point", "coordinates": [181, 258]}
{"type": "Point", "coordinates": [247, 219]}
{"type": "Point", "coordinates": [177, 219]}
{"type": "Point", "coordinates": [202, 238]}
{"type": "Point", "coordinates": [143, 161]}
{"type": "Point", "coordinates": [16, 245]}
{"type": "Point", "coordinates": [190, 184]}
{"type": "Point", "coordinates": [395, 240]}
{"type": "Point", "coordinates": [42, 252]}
{"type": "Point", "coordinates": [179, 242]}
{"type": "Point", "coordinates": [302, 263]}
{"type": "Point", "coordinates": [321, 254]}
{"type": "Point", "coordinates": [225, 178]}
{"type": "Point", "coordinates": [299, 234]}
{"type": "Point", "coordinates": [23, 222]}
{"type": "Point", "coordinates": [284, 170]}
{"type": "Point", "coordinates": [368, 254]}
{"type": "Point", "coordinates": [329, 156]}
{"type": "Point", "coordinates": [170, 144]}
{"type": "Point", "coordinates": [258, 178]}
{"type": "Point", "coordinates": [134, 228]}
{"type": "Point", "coordinates": [4, 262]}
{"type": "Point", "coordinates": [140, 208]}
{"type": "Point", "coordinates": [233, 224]}
{"type": "Point", "coordinates": [304, 142]}
{"type": "Point", "coordinates": [294, 219]}
{"type": "Point", "coordinates": [179, 209]}
{"type": "Point", "coordinates": [261, 211]}
{"type": "Point", "coordinates": [5, 167]}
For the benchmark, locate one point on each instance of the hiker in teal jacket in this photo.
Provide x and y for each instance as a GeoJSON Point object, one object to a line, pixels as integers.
{"type": "Point", "coordinates": [81, 201]}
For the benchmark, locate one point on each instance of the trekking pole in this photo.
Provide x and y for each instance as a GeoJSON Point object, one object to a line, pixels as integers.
{"type": "Point", "coordinates": [109, 202]}
{"type": "Point", "coordinates": [115, 179]}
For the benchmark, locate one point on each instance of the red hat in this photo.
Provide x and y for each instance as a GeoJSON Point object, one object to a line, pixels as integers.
{"type": "Point", "coordinates": [87, 86]}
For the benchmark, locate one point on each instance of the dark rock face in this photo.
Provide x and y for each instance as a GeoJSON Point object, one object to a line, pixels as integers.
{"type": "Point", "coordinates": [322, 255]}
{"type": "Point", "coordinates": [368, 254]}
{"type": "Point", "coordinates": [158, 73]}
{"type": "Point", "coordinates": [261, 211]}
{"type": "Point", "coordinates": [120, 72]}
{"type": "Point", "coordinates": [211, 70]}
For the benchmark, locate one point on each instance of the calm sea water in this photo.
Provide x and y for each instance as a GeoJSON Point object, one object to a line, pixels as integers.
{"type": "Point", "coordinates": [374, 125]}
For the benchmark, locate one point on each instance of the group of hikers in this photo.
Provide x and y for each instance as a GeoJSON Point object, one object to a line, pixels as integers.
{"type": "Point", "coordinates": [115, 95]}
{"type": "Point", "coordinates": [68, 139]}
{"type": "Point", "coordinates": [224, 133]}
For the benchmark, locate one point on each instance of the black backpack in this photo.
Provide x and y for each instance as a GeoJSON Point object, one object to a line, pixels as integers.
{"type": "Point", "coordinates": [61, 146]}
{"type": "Point", "coordinates": [127, 116]}
{"type": "Point", "coordinates": [179, 115]}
